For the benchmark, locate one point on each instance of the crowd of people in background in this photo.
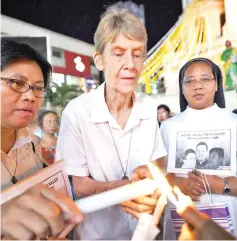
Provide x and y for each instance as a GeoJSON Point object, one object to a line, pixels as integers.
{"type": "Point", "coordinates": [107, 137]}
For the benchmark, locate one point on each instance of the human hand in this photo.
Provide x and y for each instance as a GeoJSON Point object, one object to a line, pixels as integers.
{"type": "Point", "coordinates": [37, 213]}
{"type": "Point", "coordinates": [216, 183]}
{"type": "Point", "coordinates": [144, 204]}
{"type": "Point", "coordinates": [141, 172]}
{"type": "Point", "coordinates": [193, 222]}
{"type": "Point", "coordinates": [199, 226]}
{"type": "Point", "coordinates": [191, 188]}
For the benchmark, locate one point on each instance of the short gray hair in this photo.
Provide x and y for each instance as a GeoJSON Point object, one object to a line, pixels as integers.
{"type": "Point", "coordinates": [115, 21]}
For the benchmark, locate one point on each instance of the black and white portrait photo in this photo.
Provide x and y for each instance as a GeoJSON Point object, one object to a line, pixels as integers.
{"type": "Point", "coordinates": [211, 151]}
{"type": "Point", "coordinates": [203, 150]}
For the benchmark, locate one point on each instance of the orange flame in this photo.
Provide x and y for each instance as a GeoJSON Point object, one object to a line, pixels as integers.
{"type": "Point", "coordinates": [182, 201]}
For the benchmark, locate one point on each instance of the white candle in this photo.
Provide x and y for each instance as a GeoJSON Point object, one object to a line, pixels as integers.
{"type": "Point", "coordinates": [160, 206]}
{"type": "Point", "coordinates": [164, 186]}
{"type": "Point", "coordinates": [182, 202]}
{"type": "Point", "coordinates": [116, 196]}
{"type": "Point", "coordinates": [146, 229]}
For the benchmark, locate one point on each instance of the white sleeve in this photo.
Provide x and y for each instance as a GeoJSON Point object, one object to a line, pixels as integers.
{"type": "Point", "coordinates": [70, 146]}
{"type": "Point", "coordinates": [159, 149]}
{"type": "Point", "coordinates": [164, 135]}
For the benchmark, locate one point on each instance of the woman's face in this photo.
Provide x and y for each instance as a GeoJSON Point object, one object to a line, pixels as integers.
{"type": "Point", "coordinates": [162, 115]}
{"type": "Point", "coordinates": [199, 85]}
{"type": "Point", "coordinates": [19, 109]}
{"type": "Point", "coordinates": [50, 123]}
{"type": "Point", "coordinates": [122, 63]}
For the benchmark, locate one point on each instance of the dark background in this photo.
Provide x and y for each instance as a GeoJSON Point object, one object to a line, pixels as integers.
{"type": "Point", "coordinates": [38, 43]}
{"type": "Point", "coordinates": [79, 18]}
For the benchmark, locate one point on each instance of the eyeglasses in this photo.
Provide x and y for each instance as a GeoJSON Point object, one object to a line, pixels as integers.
{"type": "Point", "coordinates": [163, 114]}
{"type": "Point", "coordinates": [52, 122]}
{"type": "Point", "coordinates": [22, 87]}
{"type": "Point", "coordinates": [192, 82]}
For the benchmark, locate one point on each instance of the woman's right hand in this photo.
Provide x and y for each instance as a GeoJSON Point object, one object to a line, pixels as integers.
{"type": "Point", "coordinates": [37, 213]}
{"type": "Point", "coordinates": [191, 188]}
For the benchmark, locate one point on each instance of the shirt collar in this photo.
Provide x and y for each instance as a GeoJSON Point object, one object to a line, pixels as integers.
{"type": "Point", "coordinates": [22, 137]}
{"type": "Point", "coordinates": [202, 163]}
{"type": "Point", "coordinates": [206, 110]}
{"type": "Point", "coordinates": [144, 107]}
{"type": "Point", "coordinates": [100, 112]}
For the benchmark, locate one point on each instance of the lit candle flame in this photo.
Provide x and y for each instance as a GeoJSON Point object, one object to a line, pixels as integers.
{"type": "Point", "coordinates": [184, 201]}
{"type": "Point", "coordinates": [181, 201]}
{"type": "Point", "coordinates": [157, 175]}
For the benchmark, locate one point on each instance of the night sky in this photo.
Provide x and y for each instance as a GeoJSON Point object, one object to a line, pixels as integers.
{"type": "Point", "coordinates": [79, 18]}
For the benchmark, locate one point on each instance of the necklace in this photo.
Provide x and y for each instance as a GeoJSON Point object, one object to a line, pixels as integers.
{"type": "Point", "coordinates": [125, 177]}
{"type": "Point", "coordinates": [14, 180]}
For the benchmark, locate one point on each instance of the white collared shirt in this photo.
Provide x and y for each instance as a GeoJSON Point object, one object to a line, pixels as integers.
{"type": "Point", "coordinates": [86, 145]}
{"type": "Point", "coordinates": [21, 161]}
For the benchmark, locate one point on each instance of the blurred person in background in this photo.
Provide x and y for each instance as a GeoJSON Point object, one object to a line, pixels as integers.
{"type": "Point", "coordinates": [49, 123]}
{"type": "Point", "coordinates": [163, 113]}
{"type": "Point", "coordinates": [39, 211]}
{"type": "Point", "coordinates": [229, 56]}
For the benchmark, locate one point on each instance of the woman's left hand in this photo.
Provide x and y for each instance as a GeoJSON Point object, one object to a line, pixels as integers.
{"type": "Point", "coordinates": [143, 204]}
{"type": "Point", "coordinates": [216, 183]}
{"type": "Point", "coordinates": [141, 172]}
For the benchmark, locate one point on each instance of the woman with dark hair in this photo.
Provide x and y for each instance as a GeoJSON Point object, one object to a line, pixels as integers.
{"type": "Point", "coordinates": [219, 98]}
{"type": "Point", "coordinates": [49, 123]}
{"type": "Point", "coordinates": [163, 113]}
{"type": "Point", "coordinates": [39, 211]}
{"type": "Point", "coordinates": [202, 106]}
{"type": "Point", "coordinates": [24, 78]}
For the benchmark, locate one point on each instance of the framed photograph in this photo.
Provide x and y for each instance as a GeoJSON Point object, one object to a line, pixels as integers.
{"type": "Point", "coordinates": [210, 151]}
